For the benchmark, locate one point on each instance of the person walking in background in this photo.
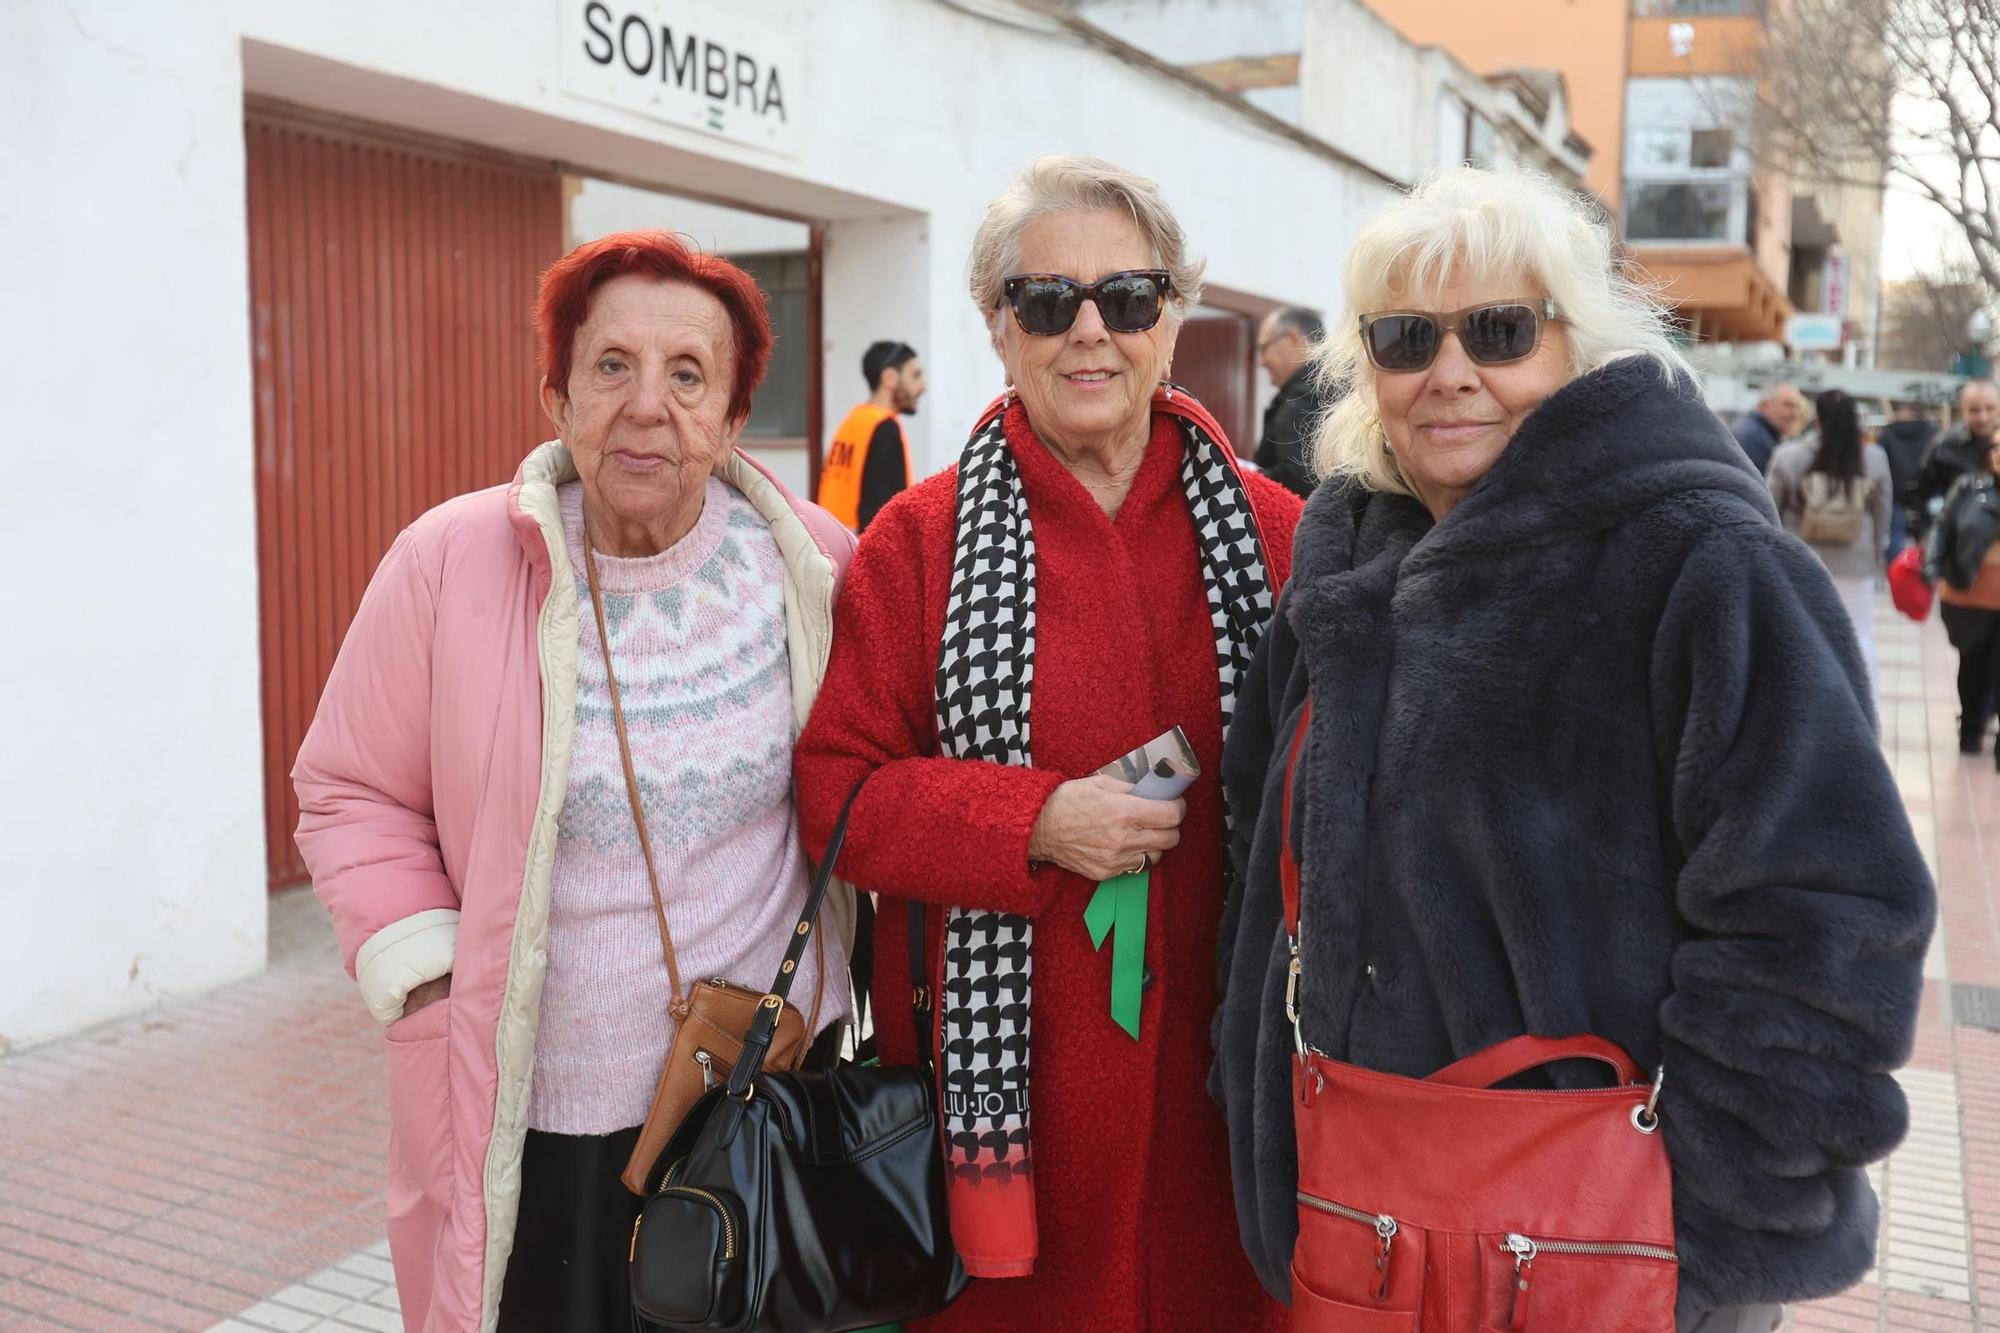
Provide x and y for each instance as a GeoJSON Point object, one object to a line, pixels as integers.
{"type": "Point", "coordinates": [868, 460]}
{"type": "Point", "coordinates": [1904, 442]}
{"type": "Point", "coordinates": [1285, 343]}
{"type": "Point", "coordinates": [1962, 560]}
{"type": "Point", "coordinates": [1779, 415]}
{"type": "Point", "coordinates": [1961, 450]}
{"type": "Point", "coordinates": [1837, 493]}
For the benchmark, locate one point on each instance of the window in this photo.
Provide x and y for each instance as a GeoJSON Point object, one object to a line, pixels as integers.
{"type": "Point", "coordinates": [1658, 149]}
{"type": "Point", "coordinates": [779, 409]}
{"type": "Point", "coordinates": [1479, 141]}
{"type": "Point", "coordinates": [1678, 210]}
{"type": "Point", "coordinates": [1655, 149]}
{"type": "Point", "coordinates": [1710, 148]}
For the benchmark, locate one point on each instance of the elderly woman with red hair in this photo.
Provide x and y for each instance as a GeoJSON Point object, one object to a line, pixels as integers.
{"type": "Point", "coordinates": [566, 704]}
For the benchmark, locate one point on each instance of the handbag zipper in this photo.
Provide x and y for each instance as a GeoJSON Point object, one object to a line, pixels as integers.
{"type": "Point", "coordinates": [667, 1186]}
{"type": "Point", "coordinates": [1385, 1230]}
{"type": "Point", "coordinates": [1517, 1244]}
{"type": "Point", "coordinates": [707, 1063]}
{"type": "Point", "coordinates": [1525, 1248]}
{"type": "Point", "coordinates": [728, 1227]}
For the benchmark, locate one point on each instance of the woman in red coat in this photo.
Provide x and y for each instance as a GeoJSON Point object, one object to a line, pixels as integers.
{"type": "Point", "coordinates": [1094, 572]}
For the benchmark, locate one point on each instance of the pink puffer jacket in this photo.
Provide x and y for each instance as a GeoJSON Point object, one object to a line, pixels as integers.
{"type": "Point", "coordinates": [430, 784]}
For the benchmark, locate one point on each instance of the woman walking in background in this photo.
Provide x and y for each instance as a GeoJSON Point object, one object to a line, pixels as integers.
{"type": "Point", "coordinates": [1835, 491]}
{"type": "Point", "coordinates": [1963, 560]}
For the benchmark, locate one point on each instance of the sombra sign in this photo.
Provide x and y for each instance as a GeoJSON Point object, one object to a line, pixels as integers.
{"type": "Point", "coordinates": [698, 66]}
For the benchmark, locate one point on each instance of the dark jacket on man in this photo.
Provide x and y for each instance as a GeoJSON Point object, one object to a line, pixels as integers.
{"type": "Point", "coordinates": [1905, 443]}
{"type": "Point", "coordinates": [1954, 455]}
{"type": "Point", "coordinates": [1595, 754]}
{"type": "Point", "coordinates": [1291, 422]}
{"type": "Point", "coordinates": [1758, 437]}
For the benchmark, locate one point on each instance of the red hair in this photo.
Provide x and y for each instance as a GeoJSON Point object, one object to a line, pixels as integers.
{"type": "Point", "coordinates": [564, 301]}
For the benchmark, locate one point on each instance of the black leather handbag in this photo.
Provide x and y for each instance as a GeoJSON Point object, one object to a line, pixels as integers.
{"type": "Point", "coordinates": [795, 1202]}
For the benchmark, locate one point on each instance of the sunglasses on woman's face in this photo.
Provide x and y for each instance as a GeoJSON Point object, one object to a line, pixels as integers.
{"type": "Point", "coordinates": [1046, 304]}
{"type": "Point", "coordinates": [1401, 341]}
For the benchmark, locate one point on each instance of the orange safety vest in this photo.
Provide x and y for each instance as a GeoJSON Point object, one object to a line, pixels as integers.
{"type": "Point", "coordinates": [847, 459]}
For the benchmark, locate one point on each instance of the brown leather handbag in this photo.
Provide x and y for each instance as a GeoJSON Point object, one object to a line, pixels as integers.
{"type": "Point", "coordinates": [712, 1017]}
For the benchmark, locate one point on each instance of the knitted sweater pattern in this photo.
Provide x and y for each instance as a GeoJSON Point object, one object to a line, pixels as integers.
{"type": "Point", "coordinates": [698, 639]}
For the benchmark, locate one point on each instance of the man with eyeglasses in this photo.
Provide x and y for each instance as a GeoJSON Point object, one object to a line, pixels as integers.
{"type": "Point", "coordinates": [1285, 344]}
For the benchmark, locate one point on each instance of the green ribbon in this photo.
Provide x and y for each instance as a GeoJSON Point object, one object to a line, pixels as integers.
{"type": "Point", "coordinates": [1119, 906]}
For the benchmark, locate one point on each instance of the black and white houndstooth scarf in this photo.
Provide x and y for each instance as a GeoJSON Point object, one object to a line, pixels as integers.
{"type": "Point", "coordinates": [985, 678]}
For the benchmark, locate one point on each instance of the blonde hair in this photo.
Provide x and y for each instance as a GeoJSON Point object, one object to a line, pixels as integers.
{"type": "Point", "coordinates": [1469, 222]}
{"type": "Point", "coordinates": [1065, 183]}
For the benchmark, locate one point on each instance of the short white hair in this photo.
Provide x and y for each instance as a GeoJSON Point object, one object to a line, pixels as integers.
{"type": "Point", "coordinates": [1470, 222]}
{"type": "Point", "coordinates": [1066, 183]}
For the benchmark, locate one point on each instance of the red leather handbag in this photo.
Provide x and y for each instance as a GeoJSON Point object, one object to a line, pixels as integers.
{"type": "Point", "coordinates": [1450, 1205]}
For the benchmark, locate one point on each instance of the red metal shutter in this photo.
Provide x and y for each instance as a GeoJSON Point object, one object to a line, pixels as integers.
{"type": "Point", "coordinates": [392, 287]}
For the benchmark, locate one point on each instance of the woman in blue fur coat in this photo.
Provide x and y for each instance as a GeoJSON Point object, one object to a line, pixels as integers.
{"type": "Point", "coordinates": [1592, 751]}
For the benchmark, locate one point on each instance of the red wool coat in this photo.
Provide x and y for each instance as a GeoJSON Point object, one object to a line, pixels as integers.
{"type": "Point", "coordinates": [1133, 1204]}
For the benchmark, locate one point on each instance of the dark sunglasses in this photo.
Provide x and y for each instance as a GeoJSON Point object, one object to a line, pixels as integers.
{"type": "Point", "coordinates": [1046, 304]}
{"type": "Point", "coordinates": [1492, 335]}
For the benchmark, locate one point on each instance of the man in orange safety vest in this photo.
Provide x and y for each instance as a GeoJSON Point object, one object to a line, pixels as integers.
{"type": "Point", "coordinates": [868, 459]}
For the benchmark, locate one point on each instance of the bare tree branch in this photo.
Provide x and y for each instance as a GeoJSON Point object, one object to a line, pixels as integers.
{"type": "Point", "coordinates": [1833, 76]}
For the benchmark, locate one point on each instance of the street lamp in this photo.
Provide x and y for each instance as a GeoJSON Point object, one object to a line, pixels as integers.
{"type": "Point", "coordinates": [1973, 363]}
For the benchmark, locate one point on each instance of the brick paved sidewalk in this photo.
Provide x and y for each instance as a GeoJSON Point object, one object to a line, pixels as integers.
{"type": "Point", "coordinates": [220, 1166]}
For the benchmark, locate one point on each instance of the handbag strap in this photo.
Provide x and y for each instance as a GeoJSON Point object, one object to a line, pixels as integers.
{"type": "Point", "coordinates": [758, 1043]}
{"type": "Point", "coordinates": [1288, 861]}
{"type": "Point", "coordinates": [680, 1000]}
{"type": "Point", "coordinates": [923, 1004]}
{"type": "Point", "coordinates": [1500, 1062]}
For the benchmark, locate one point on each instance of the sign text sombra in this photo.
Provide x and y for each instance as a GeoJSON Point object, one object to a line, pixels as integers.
{"type": "Point", "coordinates": [696, 66]}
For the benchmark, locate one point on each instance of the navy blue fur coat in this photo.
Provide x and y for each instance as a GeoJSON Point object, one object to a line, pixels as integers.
{"type": "Point", "coordinates": [1593, 754]}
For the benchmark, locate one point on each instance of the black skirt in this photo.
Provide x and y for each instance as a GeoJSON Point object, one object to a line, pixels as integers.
{"type": "Point", "coordinates": [568, 1270]}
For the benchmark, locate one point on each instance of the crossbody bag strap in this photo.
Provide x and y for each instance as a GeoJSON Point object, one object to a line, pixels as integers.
{"type": "Point", "coordinates": [923, 1003]}
{"type": "Point", "coordinates": [680, 999]}
{"type": "Point", "coordinates": [758, 1043]}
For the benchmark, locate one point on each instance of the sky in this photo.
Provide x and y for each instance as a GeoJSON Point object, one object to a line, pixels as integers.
{"type": "Point", "coordinates": [1917, 236]}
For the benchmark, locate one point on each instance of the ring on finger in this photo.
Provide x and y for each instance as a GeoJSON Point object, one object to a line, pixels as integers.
{"type": "Point", "coordinates": [1145, 859]}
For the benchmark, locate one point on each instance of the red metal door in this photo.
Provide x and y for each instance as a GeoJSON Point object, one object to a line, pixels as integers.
{"type": "Point", "coordinates": [391, 293]}
{"type": "Point", "coordinates": [1214, 358]}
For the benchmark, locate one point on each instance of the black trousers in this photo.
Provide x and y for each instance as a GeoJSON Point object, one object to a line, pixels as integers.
{"type": "Point", "coordinates": [568, 1270]}
{"type": "Point", "coordinates": [1976, 635]}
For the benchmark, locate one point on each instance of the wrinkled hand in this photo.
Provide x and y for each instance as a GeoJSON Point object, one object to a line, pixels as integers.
{"type": "Point", "coordinates": [424, 994]}
{"type": "Point", "coordinates": [1097, 828]}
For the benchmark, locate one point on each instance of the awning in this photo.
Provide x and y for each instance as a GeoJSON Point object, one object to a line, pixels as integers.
{"type": "Point", "coordinates": [1733, 299]}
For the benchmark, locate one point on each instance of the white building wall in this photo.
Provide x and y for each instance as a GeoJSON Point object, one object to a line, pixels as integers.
{"type": "Point", "coordinates": [131, 801]}
{"type": "Point", "coordinates": [131, 782]}
{"type": "Point", "coordinates": [601, 207]}
{"type": "Point", "coordinates": [1194, 32]}
{"type": "Point", "coordinates": [1366, 88]}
